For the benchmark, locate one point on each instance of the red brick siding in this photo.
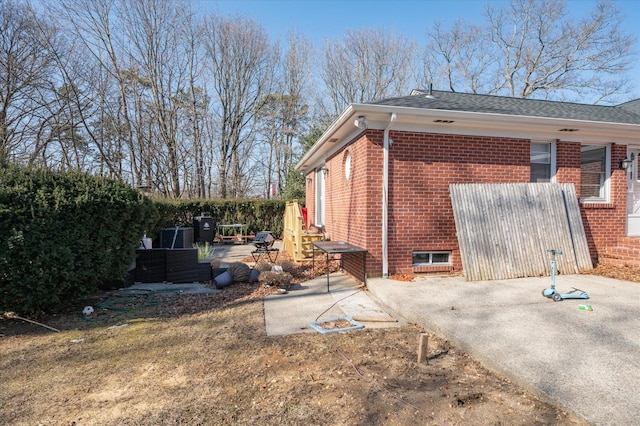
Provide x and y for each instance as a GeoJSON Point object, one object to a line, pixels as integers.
{"type": "Point", "coordinates": [352, 264]}
{"type": "Point", "coordinates": [605, 223]}
{"type": "Point", "coordinates": [353, 205]}
{"type": "Point", "coordinates": [421, 168]}
{"type": "Point", "coordinates": [568, 163]}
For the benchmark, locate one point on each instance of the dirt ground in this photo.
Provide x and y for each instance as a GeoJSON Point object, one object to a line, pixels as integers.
{"type": "Point", "coordinates": [206, 360]}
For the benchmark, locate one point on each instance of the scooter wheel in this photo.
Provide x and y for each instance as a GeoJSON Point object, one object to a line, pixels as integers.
{"type": "Point", "coordinates": [556, 297]}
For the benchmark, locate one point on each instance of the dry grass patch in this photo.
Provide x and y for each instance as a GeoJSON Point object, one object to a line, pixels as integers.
{"type": "Point", "coordinates": [206, 360]}
{"type": "Point", "coordinates": [217, 367]}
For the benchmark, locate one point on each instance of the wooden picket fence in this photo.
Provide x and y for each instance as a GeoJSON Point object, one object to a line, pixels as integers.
{"type": "Point", "coordinates": [505, 230]}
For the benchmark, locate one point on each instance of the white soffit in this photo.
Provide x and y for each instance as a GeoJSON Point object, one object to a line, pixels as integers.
{"type": "Point", "coordinates": [343, 130]}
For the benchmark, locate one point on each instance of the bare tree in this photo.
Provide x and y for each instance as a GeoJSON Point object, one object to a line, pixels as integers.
{"type": "Point", "coordinates": [285, 113]}
{"type": "Point", "coordinates": [533, 48]}
{"type": "Point", "coordinates": [458, 55]}
{"type": "Point", "coordinates": [147, 51]}
{"type": "Point", "coordinates": [74, 110]}
{"type": "Point", "coordinates": [365, 65]}
{"type": "Point", "coordinates": [241, 61]}
{"type": "Point", "coordinates": [281, 119]}
{"type": "Point", "coordinates": [98, 27]}
{"type": "Point", "coordinates": [196, 107]}
{"type": "Point", "coordinates": [26, 71]}
{"type": "Point", "coordinates": [192, 107]}
{"type": "Point", "coordinates": [154, 29]}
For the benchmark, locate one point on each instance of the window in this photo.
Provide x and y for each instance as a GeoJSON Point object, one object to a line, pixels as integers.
{"type": "Point", "coordinates": [541, 159]}
{"type": "Point", "coordinates": [426, 258]}
{"type": "Point", "coordinates": [320, 196]}
{"type": "Point", "coordinates": [593, 172]}
{"type": "Point", "coordinates": [635, 167]}
{"type": "Point", "coordinates": [347, 165]}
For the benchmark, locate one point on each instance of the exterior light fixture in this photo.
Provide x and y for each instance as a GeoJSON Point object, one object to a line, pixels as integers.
{"type": "Point", "coordinates": [627, 162]}
{"type": "Point", "coordinates": [361, 122]}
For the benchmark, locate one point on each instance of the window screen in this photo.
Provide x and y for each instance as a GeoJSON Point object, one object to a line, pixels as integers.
{"type": "Point", "coordinates": [425, 258]}
{"type": "Point", "coordinates": [593, 171]}
{"type": "Point", "coordinates": [540, 162]}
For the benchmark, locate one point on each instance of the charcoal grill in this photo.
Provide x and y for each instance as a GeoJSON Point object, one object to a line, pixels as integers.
{"type": "Point", "coordinates": [264, 246]}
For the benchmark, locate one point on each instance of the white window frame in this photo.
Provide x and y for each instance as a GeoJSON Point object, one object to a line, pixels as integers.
{"type": "Point", "coordinates": [430, 262]}
{"type": "Point", "coordinates": [605, 189]}
{"type": "Point", "coordinates": [552, 159]}
{"type": "Point", "coordinates": [347, 165]}
{"type": "Point", "coordinates": [320, 197]}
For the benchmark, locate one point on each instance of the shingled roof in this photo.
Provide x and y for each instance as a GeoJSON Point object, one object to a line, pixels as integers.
{"type": "Point", "coordinates": [627, 113]}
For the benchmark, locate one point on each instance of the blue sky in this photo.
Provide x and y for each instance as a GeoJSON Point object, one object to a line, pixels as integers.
{"type": "Point", "coordinates": [321, 19]}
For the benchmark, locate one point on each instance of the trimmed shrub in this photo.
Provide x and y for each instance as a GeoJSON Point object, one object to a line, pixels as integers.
{"type": "Point", "coordinates": [64, 234]}
{"type": "Point", "coordinates": [279, 279]}
{"type": "Point", "coordinates": [287, 266]}
{"type": "Point", "coordinates": [263, 266]}
{"type": "Point", "coordinates": [239, 271]}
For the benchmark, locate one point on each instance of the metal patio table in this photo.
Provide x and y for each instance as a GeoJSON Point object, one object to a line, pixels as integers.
{"type": "Point", "coordinates": [235, 231]}
{"type": "Point", "coordinates": [342, 248]}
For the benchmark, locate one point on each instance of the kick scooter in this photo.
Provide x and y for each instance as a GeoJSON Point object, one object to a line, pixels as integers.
{"type": "Point", "coordinates": [552, 293]}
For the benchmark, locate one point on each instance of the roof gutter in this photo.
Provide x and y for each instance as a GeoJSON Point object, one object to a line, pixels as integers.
{"type": "Point", "coordinates": [385, 198]}
{"type": "Point", "coordinates": [466, 123]}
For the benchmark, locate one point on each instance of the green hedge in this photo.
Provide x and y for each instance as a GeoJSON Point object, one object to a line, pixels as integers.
{"type": "Point", "coordinates": [64, 234]}
{"type": "Point", "coordinates": [257, 214]}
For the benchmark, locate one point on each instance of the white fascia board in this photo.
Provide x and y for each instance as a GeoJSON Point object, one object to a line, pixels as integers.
{"type": "Point", "coordinates": [327, 150]}
{"type": "Point", "coordinates": [316, 153]}
{"type": "Point", "coordinates": [533, 128]}
{"type": "Point", "coordinates": [464, 123]}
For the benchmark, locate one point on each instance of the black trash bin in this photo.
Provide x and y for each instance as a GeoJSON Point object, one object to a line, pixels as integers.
{"type": "Point", "coordinates": [204, 229]}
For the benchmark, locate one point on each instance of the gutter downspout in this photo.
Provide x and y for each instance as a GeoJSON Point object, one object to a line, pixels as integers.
{"type": "Point", "coordinates": [385, 198]}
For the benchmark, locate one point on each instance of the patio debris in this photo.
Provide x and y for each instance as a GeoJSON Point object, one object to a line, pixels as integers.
{"type": "Point", "coordinates": [336, 325]}
{"type": "Point", "coordinates": [402, 277]}
{"type": "Point", "coordinates": [12, 315]}
{"type": "Point", "coordinates": [113, 327]}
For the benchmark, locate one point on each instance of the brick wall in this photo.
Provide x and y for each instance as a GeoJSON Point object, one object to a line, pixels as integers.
{"type": "Point", "coordinates": [605, 223]}
{"type": "Point", "coordinates": [354, 205]}
{"type": "Point", "coordinates": [420, 214]}
{"type": "Point", "coordinates": [421, 168]}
